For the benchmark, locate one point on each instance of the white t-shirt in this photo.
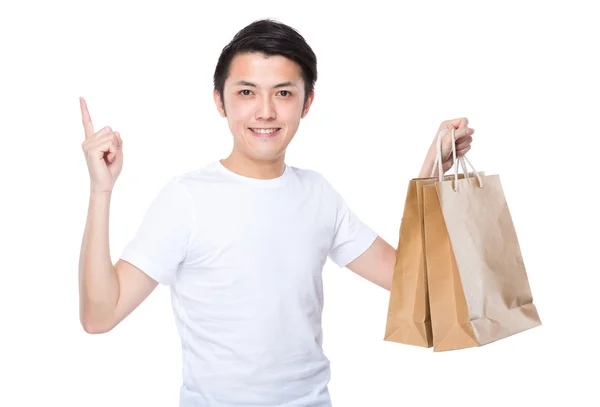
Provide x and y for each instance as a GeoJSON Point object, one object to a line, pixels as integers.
{"type": "Point", "coordinates": [243, 258]}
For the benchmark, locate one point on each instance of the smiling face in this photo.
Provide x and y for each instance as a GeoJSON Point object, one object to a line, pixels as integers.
{"type": "Point", "coordinates": [264, 102]}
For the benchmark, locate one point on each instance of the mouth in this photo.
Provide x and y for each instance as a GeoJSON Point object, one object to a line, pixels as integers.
{"type": "Point", "coordinates": [265, 132]}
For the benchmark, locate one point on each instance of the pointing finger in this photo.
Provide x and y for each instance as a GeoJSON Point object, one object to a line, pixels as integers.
{"type": "Point", "coordinates": [86, 119]}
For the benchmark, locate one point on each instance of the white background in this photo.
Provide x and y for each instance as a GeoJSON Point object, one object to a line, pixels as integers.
{"type": "Point", "coordinates": [524, 73]}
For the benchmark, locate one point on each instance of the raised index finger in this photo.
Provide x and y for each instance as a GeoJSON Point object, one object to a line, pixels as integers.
{"type": "Point", "coordinates": [86, 119]}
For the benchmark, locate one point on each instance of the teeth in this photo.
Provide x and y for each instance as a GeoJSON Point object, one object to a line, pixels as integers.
{"type": "Point", "coordinates": [264, 131]}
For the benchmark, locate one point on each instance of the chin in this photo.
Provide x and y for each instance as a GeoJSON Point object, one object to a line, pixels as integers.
{"type": "Point", "coordinates": [266, 155]}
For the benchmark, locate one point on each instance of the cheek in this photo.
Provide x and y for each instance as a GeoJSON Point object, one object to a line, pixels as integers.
{"type": "Point", "coordinates": [290, 111]}
{"type": "Point", "coordinates": [237, 110]}
{"type": "Point", "coordinates": [239, 114]}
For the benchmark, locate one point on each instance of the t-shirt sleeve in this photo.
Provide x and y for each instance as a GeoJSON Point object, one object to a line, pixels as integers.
{"type": "Point", "coordinates": [352, 237]}
{"type": "Point", "coordinates": [161, 241]}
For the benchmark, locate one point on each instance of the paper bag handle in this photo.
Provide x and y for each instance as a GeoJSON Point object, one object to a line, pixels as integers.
{"type": "Point", "coordinates": [460, 161]}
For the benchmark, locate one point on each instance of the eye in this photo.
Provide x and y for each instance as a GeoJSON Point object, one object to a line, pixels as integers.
{"type": "Point", "coordinates": [243, 92]}
{"type": "Point", "coordinates": [287, 93]}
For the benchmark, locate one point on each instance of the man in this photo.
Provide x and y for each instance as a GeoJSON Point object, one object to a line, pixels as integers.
{"type": "Point", "coordinates": [242, 241]}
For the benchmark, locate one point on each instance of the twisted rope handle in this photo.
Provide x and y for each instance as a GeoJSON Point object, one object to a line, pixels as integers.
{"type": "Point", "coordinates": [460, 161]}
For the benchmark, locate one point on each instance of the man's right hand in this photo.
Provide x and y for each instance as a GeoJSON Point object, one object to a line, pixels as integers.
{"type": "Point", "coordinates": [103, 152]}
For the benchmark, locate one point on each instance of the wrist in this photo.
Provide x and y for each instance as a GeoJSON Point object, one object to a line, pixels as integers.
{"type": "Point", "coordinates": [428, 165]}
{"type": "Point", "coordinates": [101, 194]}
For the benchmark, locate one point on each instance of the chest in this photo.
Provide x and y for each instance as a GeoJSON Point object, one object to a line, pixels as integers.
{"type": "Point", "coordinates": [278, 237]}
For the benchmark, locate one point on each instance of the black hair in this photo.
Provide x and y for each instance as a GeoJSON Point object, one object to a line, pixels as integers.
{"type": "Point", "coordinates": [268, 37]}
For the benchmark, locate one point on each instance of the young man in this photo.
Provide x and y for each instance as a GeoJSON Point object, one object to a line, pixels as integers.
{"type": "Point", "coordinates": [242, 241]}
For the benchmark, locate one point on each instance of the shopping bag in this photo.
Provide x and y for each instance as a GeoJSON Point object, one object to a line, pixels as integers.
{"type": "Point", "coordinates": [408, 318]}
{"type": "Point", "coordinates": [478, 287]}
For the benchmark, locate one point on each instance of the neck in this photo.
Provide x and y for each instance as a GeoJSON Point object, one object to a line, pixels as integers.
{"type": "Point", "coordinates": [252, 168]}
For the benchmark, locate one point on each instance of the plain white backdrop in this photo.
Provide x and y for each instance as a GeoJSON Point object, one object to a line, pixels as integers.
{"type": "Point", "coordinates": [524, 73]}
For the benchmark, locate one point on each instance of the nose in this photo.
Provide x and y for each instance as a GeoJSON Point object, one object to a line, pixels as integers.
{"type": "Point", "coordinates": [266, 110]}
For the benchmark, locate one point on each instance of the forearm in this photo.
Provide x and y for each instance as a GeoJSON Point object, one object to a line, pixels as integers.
{"type": "Point", "coordinates": [428, 165]}
{"type": "Point", "coordinates": [98, 282]}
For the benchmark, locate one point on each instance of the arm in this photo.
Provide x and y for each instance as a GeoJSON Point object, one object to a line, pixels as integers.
{"type": "Point", "coordinates": [107, 293]}
{"type": "Point", "coordinates": [376, 264]}
{"type": "Point", "coordinates": [357, 247]}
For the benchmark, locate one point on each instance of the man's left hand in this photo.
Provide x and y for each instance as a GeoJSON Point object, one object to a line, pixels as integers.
{"type": "Point", "coordinates": [463, 136]}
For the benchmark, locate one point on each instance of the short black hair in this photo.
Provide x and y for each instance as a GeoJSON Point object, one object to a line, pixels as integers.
{"type": "Point", "coordinates": [268, 37]}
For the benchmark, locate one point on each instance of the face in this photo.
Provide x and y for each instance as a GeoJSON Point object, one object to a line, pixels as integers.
{"type": "Point", "coordinates": [264, 102]}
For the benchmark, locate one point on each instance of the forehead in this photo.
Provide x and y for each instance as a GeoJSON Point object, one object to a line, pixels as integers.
{"type": "Point", "coordinates": [265, 70]}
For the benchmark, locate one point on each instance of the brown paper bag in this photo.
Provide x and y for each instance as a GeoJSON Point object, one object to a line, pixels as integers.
{"type": "Point", "coordinates": [478, 286]}
{"type": "Point", "coordinates": [459, 279]}
{"type": "Point", "coordinates": [408, 319]}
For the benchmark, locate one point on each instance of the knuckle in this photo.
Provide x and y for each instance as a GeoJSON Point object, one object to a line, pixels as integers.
{"type": "Point", "coordinates": [103, 131]}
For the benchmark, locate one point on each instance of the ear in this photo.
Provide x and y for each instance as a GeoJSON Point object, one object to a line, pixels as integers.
{"type": "Point", "coordinates": [308, 103]}
{"type": "Point", "coordinates": [219, 103]}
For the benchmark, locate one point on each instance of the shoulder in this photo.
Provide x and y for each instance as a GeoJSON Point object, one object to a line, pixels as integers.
{"type": "Point", "coordinates": [198, 178]}
{"type": "Point", "coordinates": [308, 175]}
{"type": "Point", "coordinates": [318, 184]}
{"type": "Point", "coordinates": [203, 173]}
{"type": "Point", "coordinates": [178, 190]}
{"type": "Point", "coordinates": [320, 180]}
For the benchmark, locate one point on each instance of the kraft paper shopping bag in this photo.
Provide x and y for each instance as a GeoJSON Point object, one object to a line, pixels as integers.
{"type": "Point", "coordinates": [408, 319]}
{"type": "Point", "coordinates": [478, 287]}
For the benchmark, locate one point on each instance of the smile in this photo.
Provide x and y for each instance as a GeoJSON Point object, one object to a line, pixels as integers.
{"type": "Point", "coordinates": [270, 132]}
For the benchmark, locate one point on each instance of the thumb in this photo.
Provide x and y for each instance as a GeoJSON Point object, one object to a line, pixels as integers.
{"type": "Point", "coordinates": [457, 123]}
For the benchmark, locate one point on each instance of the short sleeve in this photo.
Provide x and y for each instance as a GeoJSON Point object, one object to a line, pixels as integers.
{"type": "Point", "coordinates": [161, 241]}
{"type": "Point", "coordinates": [352, 237]}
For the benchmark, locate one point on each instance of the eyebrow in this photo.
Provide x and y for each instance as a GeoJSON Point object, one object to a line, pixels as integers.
{"type": "Point", "coordinates": [279, 85]}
